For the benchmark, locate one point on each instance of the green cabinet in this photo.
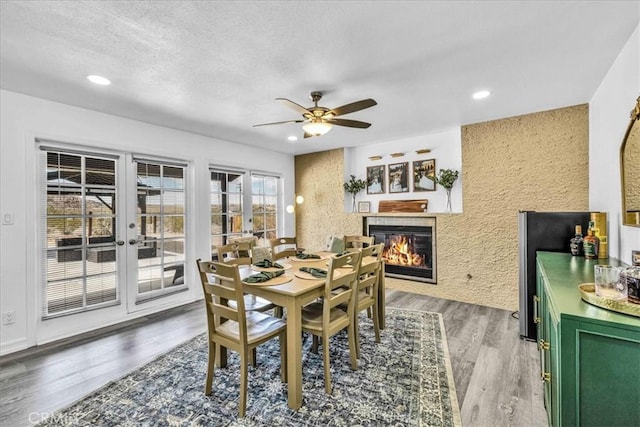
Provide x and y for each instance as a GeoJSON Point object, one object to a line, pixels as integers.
{"type": "Point", "coordinates": [589, 356]}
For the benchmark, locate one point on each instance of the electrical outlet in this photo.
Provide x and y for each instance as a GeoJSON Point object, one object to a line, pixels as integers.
{"type": "Point", "coordinates": [8, 317]}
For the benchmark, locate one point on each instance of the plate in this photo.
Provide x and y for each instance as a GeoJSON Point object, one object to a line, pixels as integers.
{"type": "Point", "coordinates": [588, 294]}
{"type": "Point", "coordinates": [309, 276]}
{"type": "Point", "coordinates": [272, 282]}
{"type": "Point", "coordinates": [284, 267]}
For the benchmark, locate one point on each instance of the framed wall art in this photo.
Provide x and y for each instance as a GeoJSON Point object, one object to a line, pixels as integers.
{"type": "Point", "coordinates": [375, 179]}
{"type": "Point", "coordinates": [399, 177]}
{"type": "Point", "coordinates": [422, 170]}
{"type": "Point", "coordinates": [364, 207]}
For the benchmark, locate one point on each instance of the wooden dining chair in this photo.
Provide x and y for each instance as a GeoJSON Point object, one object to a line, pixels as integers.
{"type": "Point", "coordinates": [233, 327]}
{"type": "Point", "coordinates": [238, 253]}
{"type": "Point", "coordinates": [325, 318]}
{"type": "Point", "coordinates": [357, 242]}
{"type": "Point", "coordinates": [282, 247]}
{"type": "Point", "coordinates": [369, 269]}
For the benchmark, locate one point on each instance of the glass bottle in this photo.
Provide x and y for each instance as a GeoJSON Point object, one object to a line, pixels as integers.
{"type": "Point", "coordinates": [630, 280]}
{"type": "Point", "coordinates": [591, 243]}
{"type": "Point", "coordinates": [576, 242]}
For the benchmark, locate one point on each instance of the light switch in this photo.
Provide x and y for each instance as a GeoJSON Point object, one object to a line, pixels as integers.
{"type": "Point", "coordinates": [7, 219]}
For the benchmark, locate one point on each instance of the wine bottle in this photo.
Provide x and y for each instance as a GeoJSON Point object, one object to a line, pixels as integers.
{"type": "Point", "coordinates": [591, 243]}
{"type": "Point", "coordinates": [576, 242]}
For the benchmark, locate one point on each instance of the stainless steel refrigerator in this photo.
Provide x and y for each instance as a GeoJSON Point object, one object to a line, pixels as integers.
{"type": "Point", "coordinates": [541, 231]}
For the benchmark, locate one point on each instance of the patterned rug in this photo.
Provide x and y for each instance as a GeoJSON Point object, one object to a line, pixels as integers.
{"type": "Point", "coordinates": [405, 380]}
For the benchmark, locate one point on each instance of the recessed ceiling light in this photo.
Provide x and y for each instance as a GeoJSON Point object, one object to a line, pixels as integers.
{"type": "Point", "coordinates": [481, 94]}
{"type": "Point", "coordinates": [99, 80]}
{"type": "Point", "coordinates": [292, 138]}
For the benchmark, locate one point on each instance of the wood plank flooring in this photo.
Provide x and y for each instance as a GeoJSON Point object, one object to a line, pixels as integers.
{"type": "Point", "coordinates": [496, 374]}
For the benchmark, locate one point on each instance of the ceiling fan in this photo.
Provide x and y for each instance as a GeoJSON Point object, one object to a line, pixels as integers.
{"type": "Point", "coordinates": [319, 120]}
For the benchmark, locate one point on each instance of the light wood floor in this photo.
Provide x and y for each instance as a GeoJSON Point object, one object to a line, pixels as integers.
{"type": "Point", "coordinates": [496, 373]}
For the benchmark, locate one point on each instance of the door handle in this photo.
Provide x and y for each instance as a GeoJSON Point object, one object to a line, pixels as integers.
{"type": "Point", "coordinates": [119, 242]}
{"type": "Point", "coordinates": [133, 241]}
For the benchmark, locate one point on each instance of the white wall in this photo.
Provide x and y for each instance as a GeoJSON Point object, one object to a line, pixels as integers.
{"type": "Point", "coordinates": [608, 119]}
{"type": "Point", "coordinates": [23, 118]}
{"type": "Point", "coordinates": [446, 149]}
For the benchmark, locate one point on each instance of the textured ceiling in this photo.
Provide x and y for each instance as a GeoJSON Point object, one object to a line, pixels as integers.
{"type": "Point", "coordinates": [215, 68]}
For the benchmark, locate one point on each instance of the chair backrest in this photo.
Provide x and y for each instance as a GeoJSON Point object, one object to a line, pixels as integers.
{"type": "Point", "coordinates": [339, 290]}
{"type": "Point", "coordinates": [358, 241]}
{"type": "Point", "coordinates": [226, 286]}
{"type": "Point", "coordinates": [238, 253]}
{"type": "Point", "coordinates": [282, 247]}
{"type": "Point", "coordinates": [370, 266]}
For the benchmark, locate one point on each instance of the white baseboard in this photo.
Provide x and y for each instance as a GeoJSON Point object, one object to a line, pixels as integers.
{"type": "Point", "coordinates": [13, 346]}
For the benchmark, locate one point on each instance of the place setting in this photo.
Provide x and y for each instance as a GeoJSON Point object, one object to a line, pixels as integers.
{"type": "Point", "coordinates": [308, 257]}
{"type": "Point", "coordinates": [313, 273]}
{"type": "Point", "coordinates": [269, 266]}
{"type": "Point", "coordinates": [267, 278]}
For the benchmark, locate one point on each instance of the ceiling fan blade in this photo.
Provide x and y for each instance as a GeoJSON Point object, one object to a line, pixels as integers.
{"type": "Point", "coordinates": [299, 108]}
{"type": "Point", "coordinates": [349, 123]}
{"type": "Point", "coordinates": [279, 123]}
{"type": "Point", "coordinates": [353, 107]}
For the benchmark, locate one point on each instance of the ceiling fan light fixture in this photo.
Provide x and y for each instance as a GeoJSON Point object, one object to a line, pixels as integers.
{"type": "Point", "coordinates": [317, 128]}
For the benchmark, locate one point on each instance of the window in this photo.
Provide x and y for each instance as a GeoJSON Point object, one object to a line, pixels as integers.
{"type": "Point", "coordinates": [226, 206]}
{"type": "Point", "coordinates": [79, 223]}
{"type": "Point", "coordinates": [264, 194]}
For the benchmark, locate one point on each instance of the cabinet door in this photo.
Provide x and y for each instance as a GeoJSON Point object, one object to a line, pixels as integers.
{"type": "Point", "coordinates": [603, 387]}
{"type": "Point", "coordinates": [553, 368]}
{"type": "Point", "coordinates": [538, 310]}
{"type": "Point", "coordinates": [548, 346]}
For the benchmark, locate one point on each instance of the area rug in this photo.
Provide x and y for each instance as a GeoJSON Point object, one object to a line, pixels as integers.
{"type": "Point", "coordinates": [405, 380]}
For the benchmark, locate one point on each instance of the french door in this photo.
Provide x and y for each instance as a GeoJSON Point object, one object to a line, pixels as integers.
{"type": "Point", "coordinates": [113, 229]}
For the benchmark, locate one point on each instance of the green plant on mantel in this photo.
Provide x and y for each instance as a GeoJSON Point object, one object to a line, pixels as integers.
{"type": "Point", "coordinates": [353, 187]}
{"type": "Point", "coordinates": [446, 178]}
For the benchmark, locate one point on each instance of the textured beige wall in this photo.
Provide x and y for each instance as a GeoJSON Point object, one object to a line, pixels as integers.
{"type": "Point", "coordinates": [533, 162]}
{"type": "Point", "coordinates": [319, 179]}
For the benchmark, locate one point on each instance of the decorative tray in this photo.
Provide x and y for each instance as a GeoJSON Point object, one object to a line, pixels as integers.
{"type": "Point", "coordinates": [588, 294]}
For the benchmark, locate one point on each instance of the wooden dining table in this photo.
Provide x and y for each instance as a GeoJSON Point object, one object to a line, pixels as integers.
{"type": "Point", "coordinates": [292, 295]}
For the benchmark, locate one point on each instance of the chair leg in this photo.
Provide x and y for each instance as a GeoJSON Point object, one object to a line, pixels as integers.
{"type": "Point", "coordinates": [278, 312]}
{"type": "Point", "coordinates": [210, 367]}
{"type": "Point", "coordinates": [314, 344]}
{"type": "Point", "coordinates": [352, 347]}
{"type": "Point", "coordinates": [253, 357]}
{"type": "Point", "coordinates": [242, 407]}
{"type": "Point", "coordinates": [356, 328]}
{"type": "Point", "coordinates": [369, 312]}
{"type": "Point", "coordinates": [376, 322]}
{"type": "Point", "coordinates": [327, 366]}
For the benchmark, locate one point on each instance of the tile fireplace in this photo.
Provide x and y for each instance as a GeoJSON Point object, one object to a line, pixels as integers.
{"type": "Point", "coordinates": [409, 245]}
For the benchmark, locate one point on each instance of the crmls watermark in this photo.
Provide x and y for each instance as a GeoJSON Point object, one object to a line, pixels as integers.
{"type": "Point", "coordinates": [65, 419]}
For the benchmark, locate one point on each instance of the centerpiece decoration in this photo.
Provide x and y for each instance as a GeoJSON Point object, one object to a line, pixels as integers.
{"type": "Point", "coordinates": [446, 178]}
{"type": "Point", "coordinates": [353, 187]}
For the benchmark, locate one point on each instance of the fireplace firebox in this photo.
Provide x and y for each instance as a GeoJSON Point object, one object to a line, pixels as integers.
{"type": "Point", "coordinates": [409, 250]}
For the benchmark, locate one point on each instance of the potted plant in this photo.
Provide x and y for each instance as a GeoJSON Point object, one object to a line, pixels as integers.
{"type": "Point", "coordinates": [353, 187]}
{"type": "Point", "coordinates": [446, 178]}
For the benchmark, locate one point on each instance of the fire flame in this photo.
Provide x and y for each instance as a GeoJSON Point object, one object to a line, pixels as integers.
{"type": "Point", "coordinates": [400, 252]}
